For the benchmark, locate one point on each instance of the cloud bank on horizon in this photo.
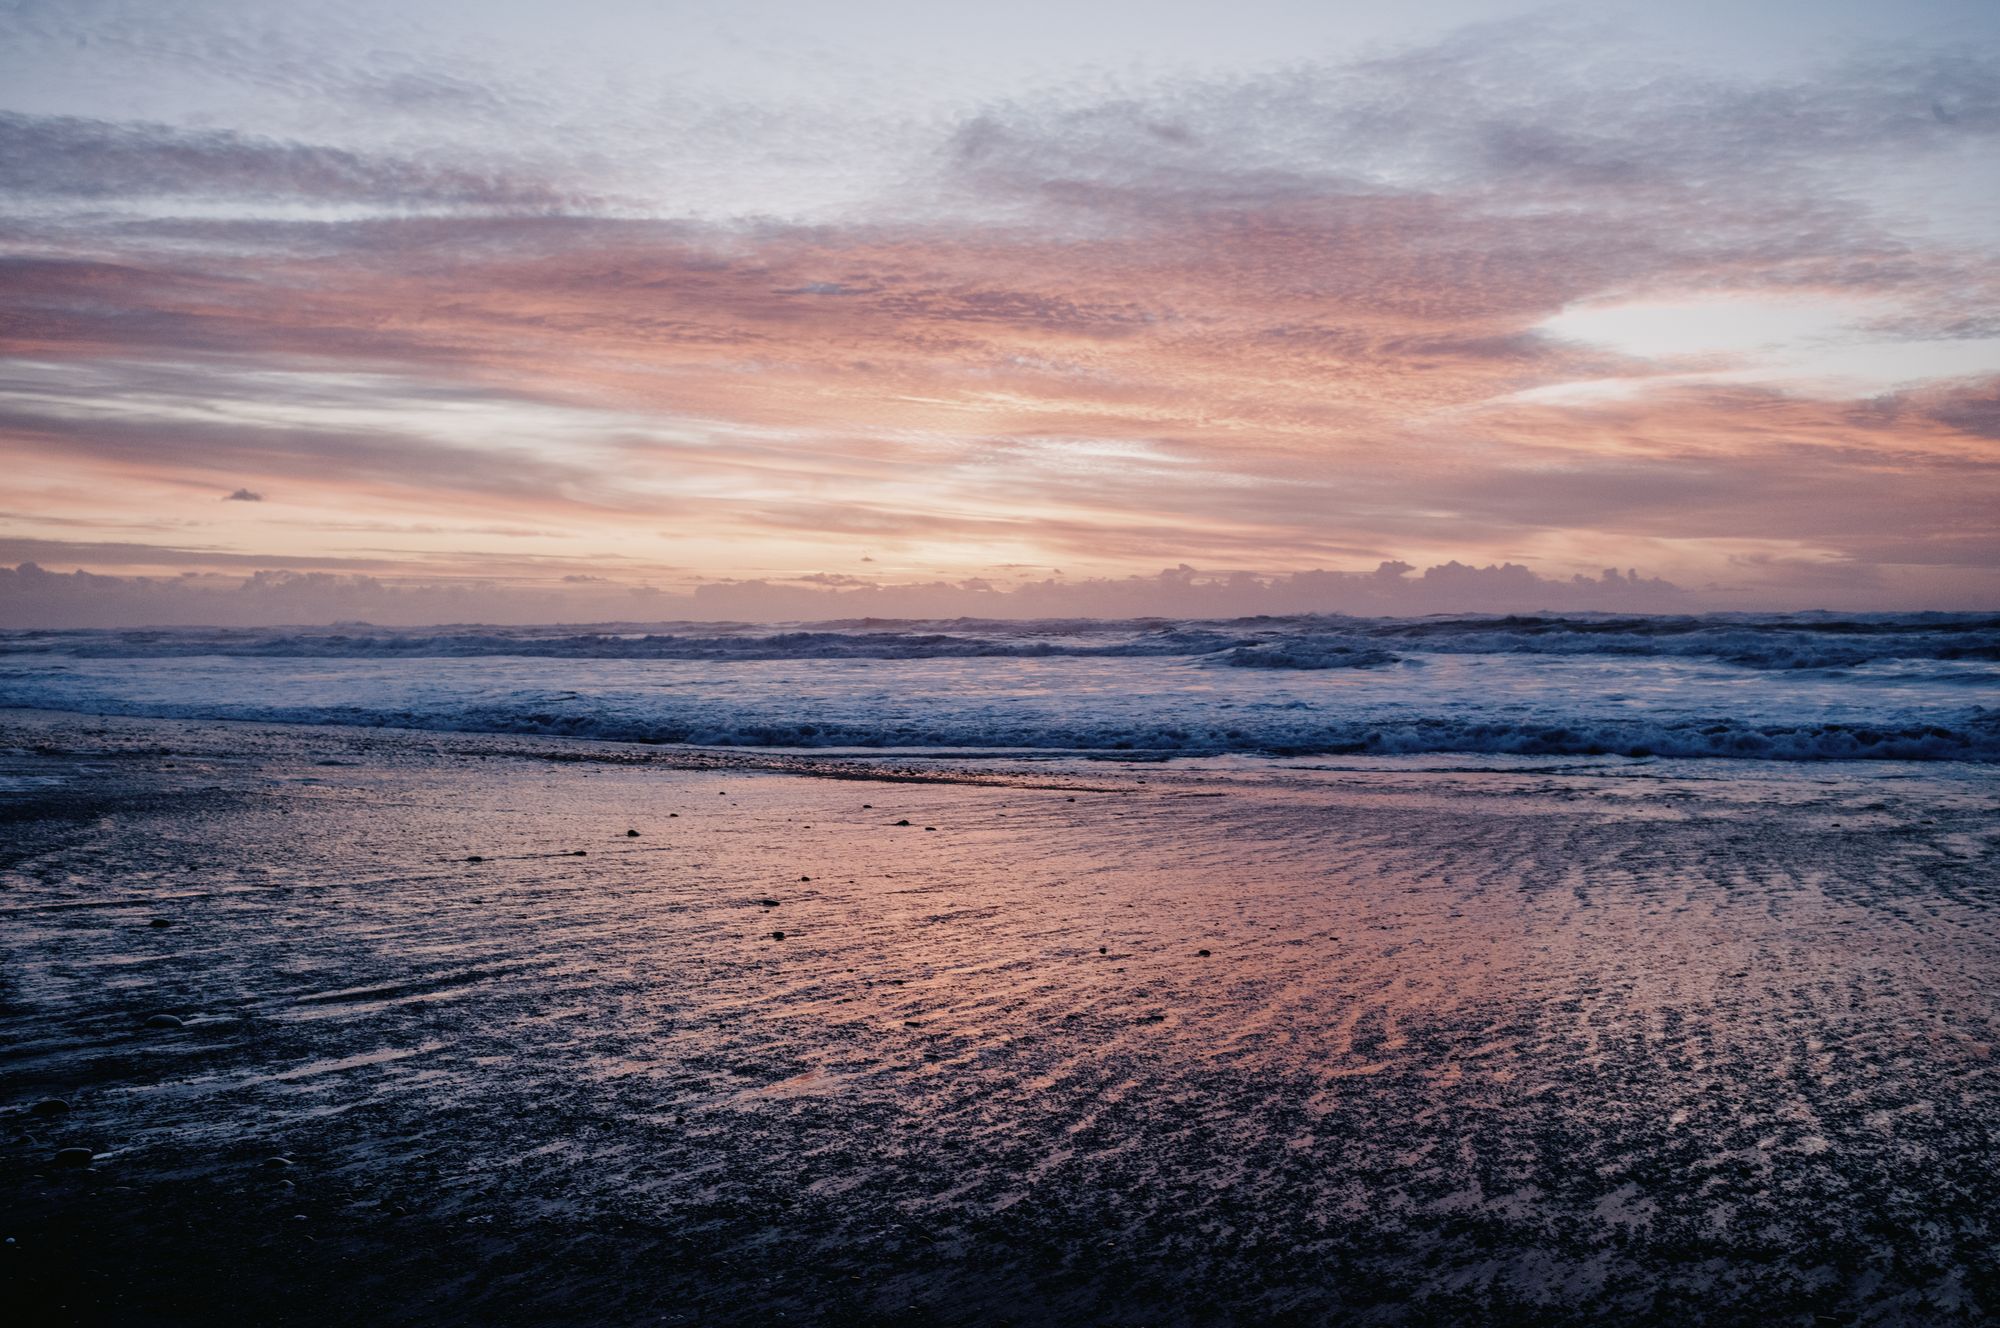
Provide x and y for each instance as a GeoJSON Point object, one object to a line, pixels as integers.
{"type": "Point", "coordinates": [529, 311]}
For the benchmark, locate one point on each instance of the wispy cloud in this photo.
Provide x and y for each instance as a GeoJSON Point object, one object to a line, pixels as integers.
{"type": "Point", "coordinates": [69, 157]}
{"type": "Point", "coordinates": [1274, 320]}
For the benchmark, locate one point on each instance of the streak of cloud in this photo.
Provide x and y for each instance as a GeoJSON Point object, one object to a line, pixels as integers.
{"type": "Point", "coordinates": [1277, 320]}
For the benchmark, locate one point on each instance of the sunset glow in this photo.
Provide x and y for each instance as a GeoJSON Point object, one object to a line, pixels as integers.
{"type": "Point", "coordinates": [600, 311]}
{"type": "Point", "coordinates": [1050, 664]}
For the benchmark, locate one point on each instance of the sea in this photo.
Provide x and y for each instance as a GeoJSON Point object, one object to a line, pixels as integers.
{"type": "Point", "coordinates": [1790, 687]}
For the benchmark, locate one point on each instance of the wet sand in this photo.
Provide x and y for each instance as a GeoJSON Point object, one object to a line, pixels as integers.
{"type": "Point", "coordinates": [1558, 1044]}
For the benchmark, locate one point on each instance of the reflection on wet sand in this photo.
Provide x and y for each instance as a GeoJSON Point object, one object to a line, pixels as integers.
{"type": "Point", "coordinates": [1235, 1043]}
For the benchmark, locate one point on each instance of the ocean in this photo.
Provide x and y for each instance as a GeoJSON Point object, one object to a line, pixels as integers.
{"type": "Point", "coordinates": [1794, 687]}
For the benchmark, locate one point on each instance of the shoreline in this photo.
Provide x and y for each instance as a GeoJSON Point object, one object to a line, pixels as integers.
{"type": "Point", "coordinates": [1226, 1044]}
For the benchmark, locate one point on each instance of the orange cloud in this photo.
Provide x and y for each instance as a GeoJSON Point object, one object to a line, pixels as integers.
{"type": "Point", "coordinates": [1209, 327]}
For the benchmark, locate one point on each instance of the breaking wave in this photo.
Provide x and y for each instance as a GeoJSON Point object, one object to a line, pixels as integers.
{"type": "Point", "coordinates": [1973, 737]}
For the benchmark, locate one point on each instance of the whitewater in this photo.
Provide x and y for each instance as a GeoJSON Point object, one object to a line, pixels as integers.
{"type": "Point", "coordinates": [1793, 687]}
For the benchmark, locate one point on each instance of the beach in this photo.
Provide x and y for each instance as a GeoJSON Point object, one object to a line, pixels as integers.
{"type": "Point", "coordinates": [1049, 665]}
{"type": "Point", "coordinates": [512, 1028]}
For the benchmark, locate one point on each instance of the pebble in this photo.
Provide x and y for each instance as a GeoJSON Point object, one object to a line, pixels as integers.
{"type": "Point", "coordinates": [1102, 950]}
{"type": "Point", "coordinates": [159, 922]}
{"type": "Point", "coordinates": [475, 858]}
{"type": "Point", "coordinates": [805, 878]}
{"type": "Point", "coordinates": [631, 834]}
{"type": "Point", "coordinates": [277, 1163]}
{"type": "Point", "coordinates": [768, 903]}
{"type": "Point", "coordinates": [73, 1157]}
{"type": "Point", "coordinates": [902, 823]}
{"type": "Point", "coordinates": [580, 853]}
{"type": "Point", "coordinates": [55, 1106]}
{"type": "Point", "coordinates": [777, 936]}
{"type": "Point", "coordinates": [1202, 953]}
{"type": "Point", "coordinates": [165, 1021]}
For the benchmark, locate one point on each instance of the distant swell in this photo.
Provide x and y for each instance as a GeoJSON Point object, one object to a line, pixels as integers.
{"type": "Point", "coordinates": [1760, 642]}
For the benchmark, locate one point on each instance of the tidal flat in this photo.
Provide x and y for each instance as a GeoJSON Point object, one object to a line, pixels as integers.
{"type": "Point", "coordinates": [364, 1026]}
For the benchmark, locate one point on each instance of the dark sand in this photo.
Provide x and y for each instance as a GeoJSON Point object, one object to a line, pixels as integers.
{"type": "Point", "coordinates": [1714, 1045]}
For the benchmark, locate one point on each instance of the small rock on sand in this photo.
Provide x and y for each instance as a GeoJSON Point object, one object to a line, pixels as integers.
{"type": "Point", "coordinates": [902, 823]}
{"type": "Point", "coordinates": [55, 1106]}
{"type": "Point", "coordinates": [1202, 953]}
{"type": "Point", "coordinates": [475, 858]}
{"type": "Point", "coordinates": [159, 922]}
{"type": "Point", "coordinates": [73, 1157]}
{"type": "Point", "coordinates": [768, 903]}
{"type": "Point", "coordinates": [777, 936]}
{"type": "Point", "coordinates": [631, 834]}
{"type": "Point", "coordinates": [277, 1163]}
{"type": "Point", "coordinates": [165, 1021]}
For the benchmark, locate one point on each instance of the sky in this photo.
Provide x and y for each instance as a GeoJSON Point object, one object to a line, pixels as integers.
{"type": "Point", "coordinates": [521, 310]}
